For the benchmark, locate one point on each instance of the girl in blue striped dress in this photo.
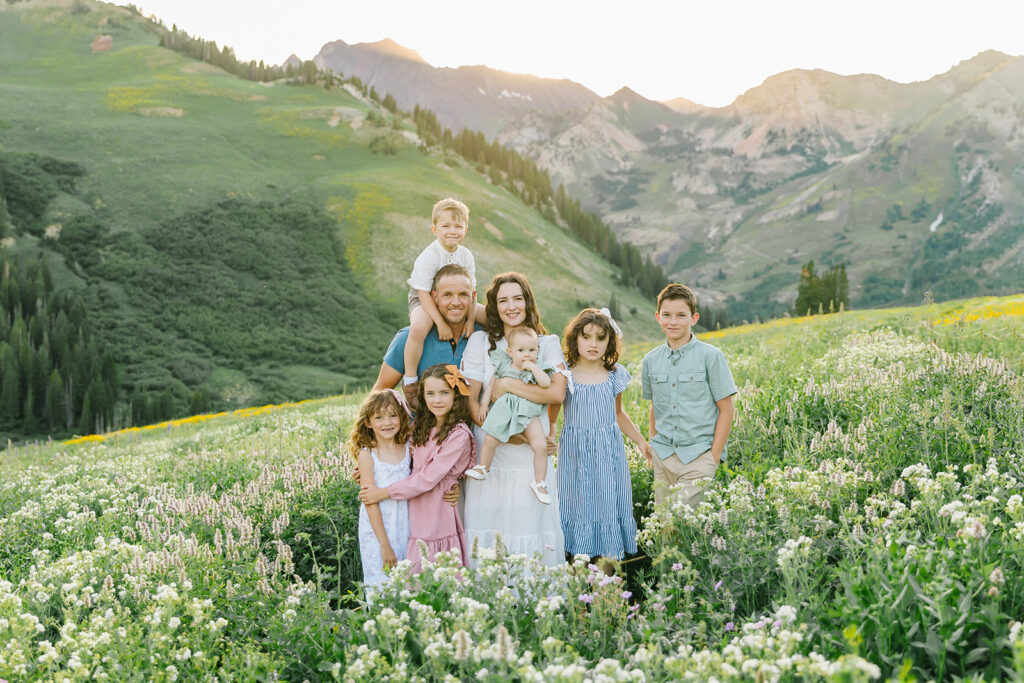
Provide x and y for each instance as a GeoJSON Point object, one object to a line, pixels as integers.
{"type": "Point", "coordinates": [595, 493]}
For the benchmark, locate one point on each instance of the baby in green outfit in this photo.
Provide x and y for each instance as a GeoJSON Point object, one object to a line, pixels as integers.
{"type": "Point", "coordinates": [513, 414]}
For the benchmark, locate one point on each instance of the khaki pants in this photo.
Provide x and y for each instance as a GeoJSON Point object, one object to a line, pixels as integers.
{"type": "Point", "coordinates": [671, 471]}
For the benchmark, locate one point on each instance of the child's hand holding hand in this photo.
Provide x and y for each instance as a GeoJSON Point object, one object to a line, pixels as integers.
{"type": "Point", "coordinates": [372, 494]}
{"type": "Point", "coordinates": [647, 455]}
{"type": "Point", "coordinates": [388, 555]}
{"type": "Point", "coordinates": [444, 331]}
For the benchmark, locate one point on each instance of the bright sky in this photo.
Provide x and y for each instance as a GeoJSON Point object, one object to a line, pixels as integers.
{"type": "Point", "coordinates": [709, 51]}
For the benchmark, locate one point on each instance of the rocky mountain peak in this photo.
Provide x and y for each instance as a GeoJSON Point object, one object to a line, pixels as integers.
{"type": "Point", "coordinates": [392, 49]}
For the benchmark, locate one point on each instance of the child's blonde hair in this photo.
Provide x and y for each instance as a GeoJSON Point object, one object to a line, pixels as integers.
{"type": "Point", "coordinates": [521, 331]}
{"type": "Point", "coordinates": [449, 204]}
{"type": "Point", "coordinates": [376, 403]}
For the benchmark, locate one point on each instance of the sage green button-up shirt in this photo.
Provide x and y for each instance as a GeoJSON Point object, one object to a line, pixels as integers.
{"type": "Point", "coordinates": [683, 385]}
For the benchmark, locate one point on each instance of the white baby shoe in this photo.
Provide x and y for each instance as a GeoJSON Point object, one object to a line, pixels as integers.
{"type": "Point", "coordinates": [478, 472]}
{"type": "Point", "coordinates": [541, 495]}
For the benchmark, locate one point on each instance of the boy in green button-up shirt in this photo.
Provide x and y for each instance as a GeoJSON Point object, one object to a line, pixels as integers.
{"type": "Point", "coordinates": [690, 389]}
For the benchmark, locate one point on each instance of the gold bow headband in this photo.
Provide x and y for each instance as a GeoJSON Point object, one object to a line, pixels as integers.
{"type": "Point", "coordinates": [456, 380]}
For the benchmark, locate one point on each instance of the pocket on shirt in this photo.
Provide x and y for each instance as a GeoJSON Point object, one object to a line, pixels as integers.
{"type": "Point", "coordinates": [661, 388]}
{"type": "Point", "coordinates": [693, 386]}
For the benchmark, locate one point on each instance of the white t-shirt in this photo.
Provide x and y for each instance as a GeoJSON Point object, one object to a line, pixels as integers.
{"type": "Point", "coordinates": [435, 257]}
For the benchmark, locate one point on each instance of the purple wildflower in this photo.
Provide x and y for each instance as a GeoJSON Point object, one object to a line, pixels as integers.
{"type": "Point", "coordinates": [587, 598]}
{"type": "Point", "coordinates": [718, 585]}
{"type": "Point", "coordinates": [677, 566]}
{"type": "Point", "coordinates": [626, 595]}
{"type": "Point", "coordinates": [730, 626]}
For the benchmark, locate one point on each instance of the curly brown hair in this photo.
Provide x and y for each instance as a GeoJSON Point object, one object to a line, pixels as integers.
{"type": "Point", "coordinates": [591, 316]}
{"type": "Point", "coordinates": [425, 420]}
{"type": "Point", "coordinates": [494, 327]}
{"type": "Point", "coordinates": [376, 403]}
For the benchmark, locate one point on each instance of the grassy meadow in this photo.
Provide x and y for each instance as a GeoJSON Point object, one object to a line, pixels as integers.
{"type": "Point", "coordinates": [868, 524]}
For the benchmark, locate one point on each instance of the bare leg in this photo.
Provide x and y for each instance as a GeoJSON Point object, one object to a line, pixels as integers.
{"type": "Point", "coordinates": [487, 451]}
{"type": "Point", "coordinates": [419, 326]}
{"type": "Point", "coordinates": [483, 466]}
{"type": "Point", "coordinates": [534, 433]}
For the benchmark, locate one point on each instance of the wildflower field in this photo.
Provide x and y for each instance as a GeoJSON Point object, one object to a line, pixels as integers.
{"type": "Point", "coordinates": [868, 524]}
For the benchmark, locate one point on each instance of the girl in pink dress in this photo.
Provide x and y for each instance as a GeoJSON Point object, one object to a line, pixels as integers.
{"type": "Point", "coordinates": [442, 450]}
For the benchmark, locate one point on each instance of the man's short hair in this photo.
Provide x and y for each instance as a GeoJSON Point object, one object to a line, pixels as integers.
{"type": "Point", "coordinates": [450, 204]}
{"type": "Point", "coordinates": [450, 269]}
{"type": "Point", "coordinates": [677, 291]}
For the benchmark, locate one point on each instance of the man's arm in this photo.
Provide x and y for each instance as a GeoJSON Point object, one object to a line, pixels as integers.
{"type": "Point", "coordinates": [387, 378]}
{"type": "Point", "coordinates": [726, 413]}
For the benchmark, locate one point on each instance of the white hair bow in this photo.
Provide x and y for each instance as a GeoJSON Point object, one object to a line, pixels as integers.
{"type": "Point", "coordinates": [605, 312]}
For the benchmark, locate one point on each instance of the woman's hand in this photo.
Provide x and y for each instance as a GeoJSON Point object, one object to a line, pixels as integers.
{"type": "Point", "coordinates": [451, 496]}
{"type": "Point", "coordinates": [482, 414]}
{"type": "Point", "coordinates": [355, 474]}
{"type": "Point", "coordinates": [504, 385]}
{"type": "Point", "coordinates": [388, 555]}
{"type": "Point", "coordinates": [372, 494]}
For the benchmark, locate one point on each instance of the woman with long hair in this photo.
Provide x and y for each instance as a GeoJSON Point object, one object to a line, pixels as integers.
{"type": "Point", "coordinates": [503, 505]}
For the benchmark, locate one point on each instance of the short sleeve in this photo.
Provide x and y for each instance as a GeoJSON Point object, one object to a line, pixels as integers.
{"type": "Point", "coordinates": [620, 379]}
{"type": "Point", "coordinates": [646, 392]}
{"type": "Point", "coordinates": [550, 352]}
{"type": "Point", "coordinates": [424, 269]}
{"type": "Point", "coordinates": [471, 266]}
{"type": "Point", "coordinates": [475, 356]}
{"type": "Point", "coordinates": [501, 362]}
{"type": "Point", "coordinates": [394, 357]}
{"type": "Point", "coordinates": [719, 376]}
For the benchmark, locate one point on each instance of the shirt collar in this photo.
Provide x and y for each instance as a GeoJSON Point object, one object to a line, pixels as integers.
{"type": "Point", "coordinates": [675, 353]}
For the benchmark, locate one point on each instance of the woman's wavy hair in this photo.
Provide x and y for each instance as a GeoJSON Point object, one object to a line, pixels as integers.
{"type": "Point", "coordinates": [494, 327]}
{"type": "Point", "coordinates": [591, 316]}
{"type": "Point", "coordinates": [376, 403]}
{"type": "Point", "coordinates": [425, 419]}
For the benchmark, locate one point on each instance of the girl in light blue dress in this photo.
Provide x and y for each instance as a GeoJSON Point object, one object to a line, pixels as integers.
{"type": "Point", "coordinates": [595, 492]}
{"type": "Point", "coordinates": [380, 442]}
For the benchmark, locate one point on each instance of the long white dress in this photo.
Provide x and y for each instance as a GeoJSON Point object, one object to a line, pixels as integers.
{"type": "Point", "coordinates": [503, 504]}
{"type": "Point", "coordinates": [395, 514]}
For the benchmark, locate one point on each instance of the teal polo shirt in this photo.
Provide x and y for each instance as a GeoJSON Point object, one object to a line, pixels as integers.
{"type": "Point", "coordinates": [434, 350]}
{"type": "Point", "coordinates": [683, 385]}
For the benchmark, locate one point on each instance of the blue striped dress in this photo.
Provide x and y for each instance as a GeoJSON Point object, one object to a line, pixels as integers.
{"type": "Point", "coordinates": [595, 493]}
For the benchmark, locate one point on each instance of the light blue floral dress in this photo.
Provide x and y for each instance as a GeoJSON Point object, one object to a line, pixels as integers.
{"type": "Point", "coordinates": [396, 520]}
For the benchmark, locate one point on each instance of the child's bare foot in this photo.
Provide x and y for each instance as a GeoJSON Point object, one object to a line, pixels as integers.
{"type": "Point", "coordinates": [540, 489]}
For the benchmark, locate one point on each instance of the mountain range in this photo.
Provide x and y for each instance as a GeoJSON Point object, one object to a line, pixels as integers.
{"type": "Point", "coordinates": [916, 187]}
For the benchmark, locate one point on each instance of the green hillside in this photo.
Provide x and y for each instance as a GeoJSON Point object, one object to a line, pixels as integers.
{"type": "Point", "coordinates": [238, 238]}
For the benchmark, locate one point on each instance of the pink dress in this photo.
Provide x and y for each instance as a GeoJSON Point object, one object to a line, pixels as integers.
{"type": "Point", "coordinates": [435, 468]}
